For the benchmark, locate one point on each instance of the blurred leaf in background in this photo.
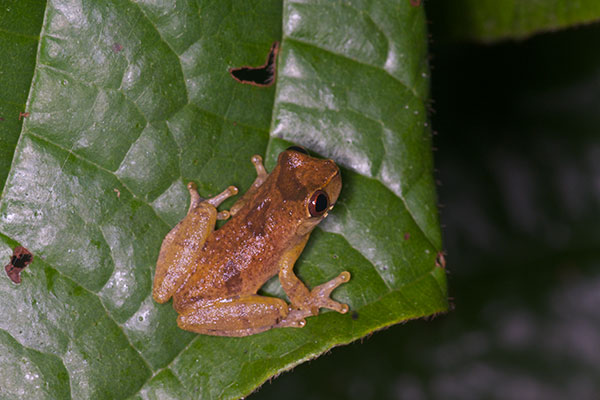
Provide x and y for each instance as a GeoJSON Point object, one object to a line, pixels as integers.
{"type": "Point", "coordinates": [125, 102]}
{"type": "Point", "coordinates": [491, 20]}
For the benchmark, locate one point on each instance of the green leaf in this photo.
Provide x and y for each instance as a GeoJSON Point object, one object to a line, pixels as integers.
{"type": "Point", "coordinates": [19, 29]}
{"type": "Point", "coordinates": [489, 20]}
{"type": "Point", "coordinates": [130, 101]}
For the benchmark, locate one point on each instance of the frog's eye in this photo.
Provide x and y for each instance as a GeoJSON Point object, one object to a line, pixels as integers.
{"type": "Point", "coordinates": [299, 149]}
{"type": "Point", "coordinates": [318, 203]}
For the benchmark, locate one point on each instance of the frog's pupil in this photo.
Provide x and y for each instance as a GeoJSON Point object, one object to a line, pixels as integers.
{"type": "Point", "coordinates": [321, 203]}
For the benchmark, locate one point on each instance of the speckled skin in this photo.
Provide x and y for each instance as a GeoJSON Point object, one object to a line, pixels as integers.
{"type": "Point", "coordinates": [214, 275]}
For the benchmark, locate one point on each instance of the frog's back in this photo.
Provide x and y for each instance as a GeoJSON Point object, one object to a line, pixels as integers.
{"type": "Point", "coordinates": [241, 256]}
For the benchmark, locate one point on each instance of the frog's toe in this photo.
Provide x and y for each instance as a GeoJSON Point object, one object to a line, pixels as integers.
{"type": "Point", "coordinates": [324, 290]}
{"type": "Point", "coordinates": [222, 215]}
{"type": "Point", "coordinates": [322, 293]}
{"type": "Point", "coordinates": [195, 198]}
{"type": "Point", "coordinates": [224, 195]}
{"type": "Point", "coordinates": [295, 319]}
{"type": "Point", "coordinates": [261, 172]}
{"type": "Point", "coordinates": [292, 324]}
{"type": "Point", "coordinates": [335, 306]}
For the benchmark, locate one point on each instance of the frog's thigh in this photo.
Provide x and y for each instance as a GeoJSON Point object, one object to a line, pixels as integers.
{"type": "Point", "coordinates": [185, 240]}
{"type": "Point", "coordinates": [243, 316]}
{"type": "Point", "coordinates": [179, 249]}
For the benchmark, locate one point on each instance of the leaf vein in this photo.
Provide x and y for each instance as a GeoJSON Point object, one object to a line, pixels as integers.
{"type": "Point", "coordinates": [347, 57]}
{"type": "Point", "coordinates": [84, 159]}
{"type": "Point", "coordinates": [166, 43]}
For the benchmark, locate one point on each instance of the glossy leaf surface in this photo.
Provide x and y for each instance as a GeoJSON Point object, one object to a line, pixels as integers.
{"type": "Point", "coordinates": [129, 101]}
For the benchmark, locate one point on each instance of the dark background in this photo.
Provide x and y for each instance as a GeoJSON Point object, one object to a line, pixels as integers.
{"type": "Point", "coordinates": [518, 162]}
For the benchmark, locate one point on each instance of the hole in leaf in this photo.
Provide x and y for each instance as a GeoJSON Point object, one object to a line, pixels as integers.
{"type": "Point", "coordinates": [258, 76]}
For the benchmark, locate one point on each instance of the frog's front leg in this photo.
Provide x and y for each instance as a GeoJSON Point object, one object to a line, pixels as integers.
{"type": "Point", "coordinates": [306, 303]}
{"type": "Point", "coordinates": [261, 176]}
{"type": "Point", "coordinates": [185, 240]}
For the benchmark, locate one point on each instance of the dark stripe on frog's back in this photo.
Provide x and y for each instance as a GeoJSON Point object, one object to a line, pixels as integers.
{"type": "Point", "coordinates": [255, 221]}
{"type": "Point", "coordinates": [232, 277]}
{"type": "Point", "coordinates": [225, 273]}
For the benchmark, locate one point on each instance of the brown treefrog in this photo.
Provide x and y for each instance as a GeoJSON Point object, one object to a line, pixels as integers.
{"type": "Point", "coordinates": [214, 275]}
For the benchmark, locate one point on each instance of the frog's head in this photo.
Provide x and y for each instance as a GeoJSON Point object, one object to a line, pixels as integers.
{"type": "Point", "coordinates": [314, 184]}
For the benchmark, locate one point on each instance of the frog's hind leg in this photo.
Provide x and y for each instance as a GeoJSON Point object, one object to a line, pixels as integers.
{"type": "Point", "coordinates": [305, 302]}
{"type": "Point", "coordinates": [243, 316]}
{"type": "Point", "coordinates": [185, 240]}
{"type": "Point", "coordinates": [309, 302]}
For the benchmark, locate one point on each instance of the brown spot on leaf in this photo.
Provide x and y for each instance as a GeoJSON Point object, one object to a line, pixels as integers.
{"type": "Point", "coordinates": [20, 259]}
{"type": "Point", "coordinates": [23, 115]}
{"type": "Point", "coordinates": [258, 76]}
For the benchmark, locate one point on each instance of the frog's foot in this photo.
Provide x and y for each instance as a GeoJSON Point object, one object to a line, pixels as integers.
{"type": "Point", "coordinates": [223, 215]}
{"type": "Point", "coordinates": [294, 319]}
{"type": "Point", "coordinates": [215, 201]}
{"type": "Point", "coordinates": [261, 177]}
{"type": "Point", "coordinates": [319, 298]}
{"type": "Point", "coordinates": [195, 198]}
{"type": "Point", "coordinates": [320, 294]}
{"type": "Point", "coordinates": [221, 197]}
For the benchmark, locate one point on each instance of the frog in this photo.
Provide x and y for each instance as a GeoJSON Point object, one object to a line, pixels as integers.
{"type": "Point", "coordinates": [214, 275]}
